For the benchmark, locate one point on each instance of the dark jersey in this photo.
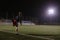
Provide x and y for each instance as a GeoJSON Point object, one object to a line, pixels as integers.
{"type": "Point", "coordinates": [17, 18]}
{"type": "Point", "coordinates": [15, 22]}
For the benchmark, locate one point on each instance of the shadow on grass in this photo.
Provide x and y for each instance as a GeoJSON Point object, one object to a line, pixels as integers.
{"type": "Point", "coordinates": [56, 37]}
{"type": "Point", "coordinates": [45, 34]}
{"type": "Point", "coordinates": [12, 36]}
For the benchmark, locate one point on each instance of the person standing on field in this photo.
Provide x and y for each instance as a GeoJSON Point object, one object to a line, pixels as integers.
{"type": "Point", "coordinates": [15, 23]}
{"type": "Point", "coordinates": [20, 19]}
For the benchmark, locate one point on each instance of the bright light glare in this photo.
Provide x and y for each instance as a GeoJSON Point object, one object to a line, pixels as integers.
{"type": "Point", "coordinates": [51, 11]}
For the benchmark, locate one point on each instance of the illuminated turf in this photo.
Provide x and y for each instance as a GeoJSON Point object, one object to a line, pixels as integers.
{"type": "Point", "coordinates": [47, 30]}
{"type": "Point", "coordinates": [27, 29]}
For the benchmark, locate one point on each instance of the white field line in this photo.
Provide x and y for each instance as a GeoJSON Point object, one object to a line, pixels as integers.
{"type": "Point", "coordinates": [34, 36]}
{"type": "Point", "coordinates": [38, 37]}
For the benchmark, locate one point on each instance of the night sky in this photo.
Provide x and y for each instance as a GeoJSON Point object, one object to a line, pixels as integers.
{"type": "Point", "coordinates": [29, 8]}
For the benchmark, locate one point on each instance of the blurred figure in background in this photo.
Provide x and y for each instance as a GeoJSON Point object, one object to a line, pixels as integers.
{"type": "Point", "coordinates": [20, 18]}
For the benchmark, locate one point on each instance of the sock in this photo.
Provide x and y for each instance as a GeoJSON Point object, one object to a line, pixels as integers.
{"type": "Point", "coordinates": [16, 30]}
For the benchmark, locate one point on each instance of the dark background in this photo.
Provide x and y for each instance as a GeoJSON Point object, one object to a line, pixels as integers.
{"type": "Point", "coordinates": [29, 8]}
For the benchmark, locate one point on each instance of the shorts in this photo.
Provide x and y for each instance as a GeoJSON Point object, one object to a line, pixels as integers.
{"type": "Point", "coordinates": [15, 24]}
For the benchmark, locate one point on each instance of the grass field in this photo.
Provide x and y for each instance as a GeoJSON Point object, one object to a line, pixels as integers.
{"type": "Point", "coordinates": [7, 32]}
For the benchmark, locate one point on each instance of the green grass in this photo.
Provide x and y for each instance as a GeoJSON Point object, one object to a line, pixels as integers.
{"type": "Point", "coordinates": [42, 29]}
{"type": "Point", "coordinates": [7, 32]}
{"type": "Point", "coordinates": [12, 36]}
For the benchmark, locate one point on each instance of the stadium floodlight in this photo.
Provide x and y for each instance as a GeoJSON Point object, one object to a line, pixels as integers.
{"type": "Point", "coordinates": [51, 11]}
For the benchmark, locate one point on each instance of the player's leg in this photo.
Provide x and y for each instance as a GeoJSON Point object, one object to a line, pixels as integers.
{"type": "Point", "coordinates": [20, 22]}
{"type": "Point", "coordinates": [17, 28]}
